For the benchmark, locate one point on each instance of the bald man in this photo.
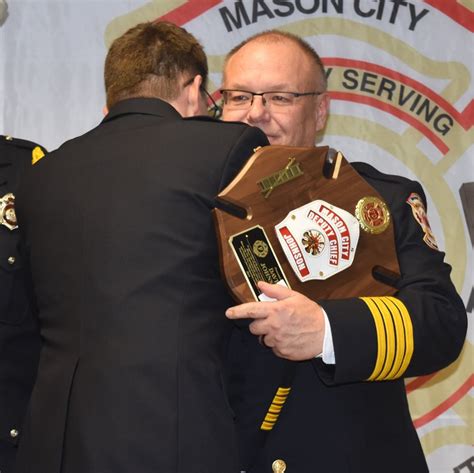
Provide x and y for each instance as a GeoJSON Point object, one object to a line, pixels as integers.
{"type": "Point", "coordinates": [347, 410]}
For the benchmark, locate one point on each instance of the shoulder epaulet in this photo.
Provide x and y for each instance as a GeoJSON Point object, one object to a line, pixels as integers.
{"type": "Point", "coordinates": [37, 151]}
{"type": "Point", "coordinates": [10, 140]}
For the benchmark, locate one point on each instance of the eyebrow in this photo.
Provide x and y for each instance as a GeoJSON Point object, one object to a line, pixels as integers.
{"type": "Point", "coordinates": [277, 87]}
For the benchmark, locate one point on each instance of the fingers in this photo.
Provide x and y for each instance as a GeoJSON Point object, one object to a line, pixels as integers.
{"type": "Point", "coordinates": [263, 331]}
{"type": "Point", "coordinates": [259, 310]}
{"type": "Point", "coordinates": [250, 310]}
{"type": "Point", "coordinates": [292, 325]}
{"type": "Point", "coordinates": [262, 309]}
{"type": "Point", "coordinates": [254, 310]}
{"type": "Point", "coordinates": [261, 340]}
{"type": "Point", "coordinates": [276, 291]}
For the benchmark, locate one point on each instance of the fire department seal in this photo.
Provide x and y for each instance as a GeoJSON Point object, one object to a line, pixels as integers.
{"type": "Point", "coordinates": [7, 211]}
{"type": "Point", "coordinates": [313, 242]}
{"type": "Point", "coordinates": [373, 215]}
{"type": "Point", "coordinates": [260, 248]}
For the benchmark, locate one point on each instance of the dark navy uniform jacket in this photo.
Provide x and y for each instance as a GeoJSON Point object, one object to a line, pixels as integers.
{"type": "Point", "coordinates": [124, 259]}
{"type": "Point", "coordinates": [353, 417]}
{"type": "Point", "coordinates": [19, 335]}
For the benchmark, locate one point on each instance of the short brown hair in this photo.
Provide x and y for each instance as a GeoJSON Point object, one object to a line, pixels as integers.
{"type": "Point", "coordinates": [275, 36]}
{"type": "Point", "coordinates": [148, 60]}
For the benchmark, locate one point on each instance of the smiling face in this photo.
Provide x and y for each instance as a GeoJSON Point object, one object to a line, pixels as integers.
{"type": "Point", "coordinates": [264, 65]}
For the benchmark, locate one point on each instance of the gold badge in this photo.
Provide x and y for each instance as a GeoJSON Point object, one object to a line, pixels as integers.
{"type": "Point", "coordinates": [36, 154]}
{"type": "Point", "coordinates": [373, 215]}
{"type": "Point", "coordinates": [7, 211]}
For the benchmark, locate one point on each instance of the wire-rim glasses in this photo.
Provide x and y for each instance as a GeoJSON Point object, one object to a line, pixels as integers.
{"type": "Point", "coordinates": [235, 99]}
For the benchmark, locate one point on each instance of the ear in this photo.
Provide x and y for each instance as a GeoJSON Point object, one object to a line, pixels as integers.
{"type": "Point", "coordinates": [190, 102]}
{"type": "Point", "coordinates": [105, 110]}
{"type": "Point", "coordinates": [322, 111]}
{"type": "Point", "coordinates": [194, 104]}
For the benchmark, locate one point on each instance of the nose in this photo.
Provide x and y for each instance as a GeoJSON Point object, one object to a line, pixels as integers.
{"type": "Point", "coordinates": [258, 111]}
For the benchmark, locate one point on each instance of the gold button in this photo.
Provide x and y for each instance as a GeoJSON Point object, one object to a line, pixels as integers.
{"type": "Point", "coordinates": [13, 433]}
{"type": "Point", "coordinates": [279, 466]}
{"type": "Point", "coordinates": [11, 260]}
{"type": "Point", "coordinates": [9, 138]}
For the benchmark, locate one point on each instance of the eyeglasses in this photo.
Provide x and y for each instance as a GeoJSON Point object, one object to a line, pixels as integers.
{"type": "Point", "coordinates": [213, 110]}
{"type": "Point", "coordinates": [243, 99]}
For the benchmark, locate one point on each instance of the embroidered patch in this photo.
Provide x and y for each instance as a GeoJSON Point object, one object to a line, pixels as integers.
{"type": "Point", "coordinates": [419, 212]}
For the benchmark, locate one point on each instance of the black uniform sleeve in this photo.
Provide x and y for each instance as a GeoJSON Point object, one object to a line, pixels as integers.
{"type": "Point", "coordinates": [250, 139]}
{"type": "Point", "coordinates": [420, 330]}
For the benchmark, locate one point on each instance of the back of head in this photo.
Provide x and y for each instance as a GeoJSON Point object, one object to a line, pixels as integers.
{"type": "Point", "coordinates": [149, 59]}
{"type": "Point", "coordinates": [275, 37]}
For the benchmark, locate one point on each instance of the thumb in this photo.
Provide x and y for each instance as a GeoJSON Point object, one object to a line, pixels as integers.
{"type": "Point", "coordinates": [275, 291]}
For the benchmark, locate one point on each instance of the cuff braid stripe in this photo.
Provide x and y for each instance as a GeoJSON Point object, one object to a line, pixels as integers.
{"type": "Point", "coordinates": [408, 333]}
{"type": "Point", "coordinates": [381, 344]}
{"type": "Point", "coordinates": [273, 412]}
{"type": "Point", "coordinates": [391, 339]}
{"type": "Point", "coordinates": [399, 329]}
{"type": "Point", "coordinates": [394, 331]}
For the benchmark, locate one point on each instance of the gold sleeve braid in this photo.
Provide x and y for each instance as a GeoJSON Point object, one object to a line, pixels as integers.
{"type": "Point", "coordinates": [275, 408]}
{"type": "Point", "coordinates": [395, 342]}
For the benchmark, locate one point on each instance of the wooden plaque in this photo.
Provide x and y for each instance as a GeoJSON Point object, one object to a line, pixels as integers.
{"type": "Point", "coordinates": [274, 182]}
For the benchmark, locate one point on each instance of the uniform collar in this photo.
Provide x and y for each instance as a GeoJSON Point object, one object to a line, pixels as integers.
{"type": "Point", "coordinates": [5, 155]}
{"type": "Point", "coordinates": [143, 106]}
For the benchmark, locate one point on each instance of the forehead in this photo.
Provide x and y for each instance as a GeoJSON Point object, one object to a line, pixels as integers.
{"type": "Point", "coordinates": [262, 65]}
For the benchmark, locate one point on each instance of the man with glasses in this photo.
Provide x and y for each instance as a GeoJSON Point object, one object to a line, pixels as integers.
{"type": "Point", "coordinates": [296, 105]}
{"type": "Point", "coordinates": [119, 231]}
{"type": "Point", "coordinates": [345, 411]}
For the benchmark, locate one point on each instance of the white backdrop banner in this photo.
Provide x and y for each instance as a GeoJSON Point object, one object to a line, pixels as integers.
{"type": "Point", "coordinates": [401, 81]}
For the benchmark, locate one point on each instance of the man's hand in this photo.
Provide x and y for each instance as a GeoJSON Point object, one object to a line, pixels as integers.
{"type": "Point", "coordinates": [292, 326]}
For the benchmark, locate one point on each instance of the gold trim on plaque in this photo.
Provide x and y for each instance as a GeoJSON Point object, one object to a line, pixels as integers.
{"type": "Point", "coordinates": [291, 171]}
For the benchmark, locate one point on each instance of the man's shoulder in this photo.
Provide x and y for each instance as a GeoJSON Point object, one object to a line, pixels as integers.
{"type": "Point", "coordinates": [10, 141]}
{"type": "Point", "coordinates": [207, 119]}
{"type": "Point", "coordinates": [230, 129]}
{"type": "Point", "coordinates": [19, 148]}
{"type": "Point", "coordinates": [371, 173]}
{"type": "Point", "coordinates": [391, 186]}
{"type": "Point", "coordinates": [214, 122]}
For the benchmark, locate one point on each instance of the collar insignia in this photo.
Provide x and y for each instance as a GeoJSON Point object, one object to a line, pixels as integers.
{"type": "Point", "coordinates": [36, 154]}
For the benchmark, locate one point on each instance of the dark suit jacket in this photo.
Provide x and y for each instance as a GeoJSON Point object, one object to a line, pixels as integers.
{"type": "Point", "coordinates": [119, 231]}
{"type": "Point", "coordinates": [19, 333]}
{"type": "Point", "coordinates": [334, 420]}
